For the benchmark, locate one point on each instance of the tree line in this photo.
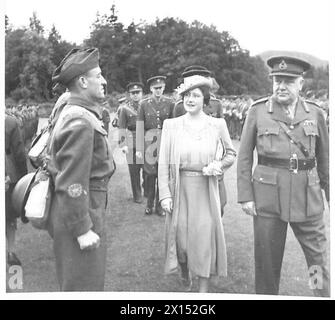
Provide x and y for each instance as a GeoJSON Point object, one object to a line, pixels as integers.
{"type": "Point", "coordinates": [135, 53]}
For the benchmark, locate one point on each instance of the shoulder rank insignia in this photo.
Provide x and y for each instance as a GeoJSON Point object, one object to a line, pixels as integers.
{"type": "Point", "coordinates": [260, 100]}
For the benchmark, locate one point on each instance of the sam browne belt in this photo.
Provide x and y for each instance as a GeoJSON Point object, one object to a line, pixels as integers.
{"type": "Point", "coordinates": [292, 164]}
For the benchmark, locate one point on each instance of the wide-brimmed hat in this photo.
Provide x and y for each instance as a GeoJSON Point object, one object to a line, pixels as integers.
{"type": "Point", "coordinates": [193, 82]}
{"type": "Point", "coordinates": [287, 66]}
{"type": "Point", "coordinates": [75, 63]}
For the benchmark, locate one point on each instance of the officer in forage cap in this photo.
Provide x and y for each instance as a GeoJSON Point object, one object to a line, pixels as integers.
{"type": "Point", "coordinates": [127, 133]}
{"type": "Point", "coordinates": [152, 113]}
{"type": "Point", "coordinates": [291, 138]}
{"type": "Point", "coordinates": [214, 109]}
{"type": "Point", "coordinates": [80, 165]}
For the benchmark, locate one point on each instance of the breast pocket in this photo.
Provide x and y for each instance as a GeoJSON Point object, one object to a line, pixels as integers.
{"type": "Point", "coordinates": [266, 190]}
{"type": "Point", "coordinates": [267, 137]}
{"type": "Point", "coordinates": [311, 132]}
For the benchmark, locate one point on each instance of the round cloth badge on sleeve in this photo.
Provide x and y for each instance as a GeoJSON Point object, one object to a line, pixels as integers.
{"type": "Point", "coordinates": [75, 190]}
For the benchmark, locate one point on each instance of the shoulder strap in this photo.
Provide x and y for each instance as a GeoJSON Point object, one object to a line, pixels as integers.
{"type": "Point", "coordinates": [288, 132]}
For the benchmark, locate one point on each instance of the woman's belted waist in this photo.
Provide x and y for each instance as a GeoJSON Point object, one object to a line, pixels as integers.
{"type": "Point", "coordinates": [99, 184]}
{"type": "Point", "coordinates": [292, 164]}
{"type": "Point", "coordinates": [191, 173]}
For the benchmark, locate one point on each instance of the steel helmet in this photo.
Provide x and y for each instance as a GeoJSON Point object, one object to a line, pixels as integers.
{"type": "Point", "coordinates": [20, 194]}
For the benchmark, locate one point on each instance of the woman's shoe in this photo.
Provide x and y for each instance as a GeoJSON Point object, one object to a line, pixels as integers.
{"type": "Point", "coordinates": [186, 281]}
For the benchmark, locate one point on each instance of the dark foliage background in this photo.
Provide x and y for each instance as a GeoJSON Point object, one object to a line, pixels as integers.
{"type": "Point", "coordinates": [135, 53]}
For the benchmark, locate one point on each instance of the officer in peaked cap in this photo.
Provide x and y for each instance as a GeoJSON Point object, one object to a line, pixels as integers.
{"type": "Point", "coordinates": [80, 165]}
{"type": "Point", "coordinates": [291, 138]}
{"type": "Point", "coordinates": [127, 136]}
{"type": "Point", "coordinates": [214, 109]}
{"type": "Point", "coordinates": [152, 113]}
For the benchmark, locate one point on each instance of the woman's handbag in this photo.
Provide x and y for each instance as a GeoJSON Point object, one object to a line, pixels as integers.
{"type": "Point", "coordinates": [38, 204]}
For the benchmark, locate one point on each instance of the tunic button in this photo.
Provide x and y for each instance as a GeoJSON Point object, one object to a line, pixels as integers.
{"type": "Point", "coordinates": [292, 127]}
{"type": "Point", "coordinates": [292, 141]}
{"type": "Point", "coordinates": [260, 179]}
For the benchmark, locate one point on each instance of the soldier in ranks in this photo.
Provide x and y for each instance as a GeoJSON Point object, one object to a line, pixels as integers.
{"type": "Point", "coordinates": [152, 113]}
{"type": "Point", "coordinates": [291, 139]}
{"type": "Point", "coordinates": [127, 125]}
{"type": "Point", "coordinates": [214, 109]}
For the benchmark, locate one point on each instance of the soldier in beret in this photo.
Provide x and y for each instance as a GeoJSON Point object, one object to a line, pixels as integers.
{"type": "Point", "coordinates": [127, 141]}
{"type": "Point", "coordinates": [214, 108]}
{"type": "Point", "coordinates": [152, 113]}
{"type": "Point", "coordinates": [80, 165]}
{"type": "Point", "coordinates": [291, 139]}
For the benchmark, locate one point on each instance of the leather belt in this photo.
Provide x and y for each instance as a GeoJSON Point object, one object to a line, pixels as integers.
{"type": "Point", "coordinates": [291, 164]}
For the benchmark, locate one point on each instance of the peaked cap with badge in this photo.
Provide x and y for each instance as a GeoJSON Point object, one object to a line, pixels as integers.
{"type": "Point", "coordinates": [135, 86]}
{"type": "Point", "coordinates": [156, 80]}
{"type": "Point", "coordinates": [287, 66]}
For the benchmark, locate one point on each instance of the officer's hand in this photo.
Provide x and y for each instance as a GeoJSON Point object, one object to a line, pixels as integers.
{"type": "Point", "coordinates": [167, 205]}
{"type": "Point", "coordinates": [125, 149]}
{"type": "Point", "coordinates": [89, 240]}
{"type": "Point", "coordinates": [139, 154]}
{"type": "Point", "coordinates": [249, 208]}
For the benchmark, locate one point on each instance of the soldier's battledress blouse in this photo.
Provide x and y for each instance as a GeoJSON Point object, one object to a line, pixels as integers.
{"type": "Point", "coordinates": [194, 231]}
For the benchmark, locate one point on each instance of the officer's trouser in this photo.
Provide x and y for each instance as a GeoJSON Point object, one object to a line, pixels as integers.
{"type": "Point", "coordinates": [152, 190]}
{"type": "Point", "coordinates": [135, 178]}
{"type": "Point", "coordinates": [270, 237]}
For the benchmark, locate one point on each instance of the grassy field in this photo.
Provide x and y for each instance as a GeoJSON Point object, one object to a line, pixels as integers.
{"type": "Point", "coordinates": [136, 248]}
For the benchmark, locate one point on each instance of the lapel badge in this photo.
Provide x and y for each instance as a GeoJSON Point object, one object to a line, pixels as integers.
{"type": "Point", "coordinates": [282, 65]}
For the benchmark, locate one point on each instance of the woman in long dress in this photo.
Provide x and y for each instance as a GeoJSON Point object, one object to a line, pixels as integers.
{"type": "Point", "coordinates": [195, 150]}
